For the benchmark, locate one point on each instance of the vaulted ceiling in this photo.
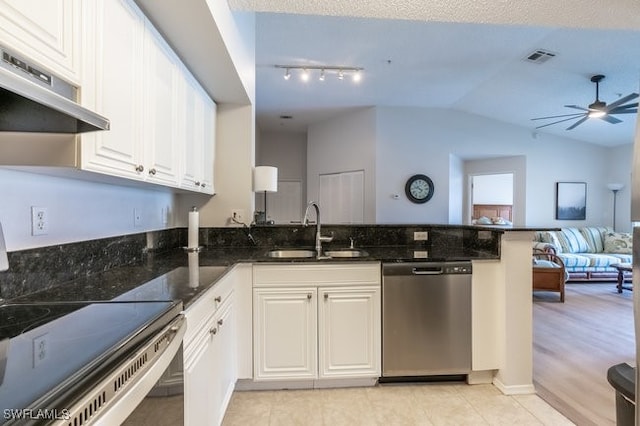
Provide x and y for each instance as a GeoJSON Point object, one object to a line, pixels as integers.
{"type": "Point", "coordinates": [474, 62]}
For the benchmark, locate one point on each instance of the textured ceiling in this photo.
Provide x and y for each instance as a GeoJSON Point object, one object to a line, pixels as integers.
{"type": "Point", "coordinates": [619, 14]}
{"type": "Point", "coordinates": [469, 67]}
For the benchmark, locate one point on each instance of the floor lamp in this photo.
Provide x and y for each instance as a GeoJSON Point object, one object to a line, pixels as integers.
{"type": "Point", "coordinates": [615, 187]}
{"type": "Point", "coordinates": [265, 179]}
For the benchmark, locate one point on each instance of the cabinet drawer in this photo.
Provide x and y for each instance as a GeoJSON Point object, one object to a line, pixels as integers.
{"type": "Point", "coordinates": [361, 273]}
{"type": "Point", "coordinates": [207, 305]}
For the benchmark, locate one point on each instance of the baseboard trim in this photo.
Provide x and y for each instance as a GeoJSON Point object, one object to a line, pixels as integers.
{"type": "Point", "coordinates": [514, 389]}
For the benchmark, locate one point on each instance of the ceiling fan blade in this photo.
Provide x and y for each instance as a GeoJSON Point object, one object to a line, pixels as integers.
{"type": "Point", "coordinates": [579, 122]}
{"type": "Point", "coordinates": [622, 101]}
{"type": "Point", "coordinates": [623, 111]}
{"type": "Point", "coordinates": [577, 107]}
{"type": "Point", "coordinates": [558, 116]}
{"type": "Point", "coordinates": [610, 119]}
{"type": "Point", "coordinates": [560, 121]}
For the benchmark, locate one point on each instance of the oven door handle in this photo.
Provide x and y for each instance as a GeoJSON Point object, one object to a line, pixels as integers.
{"type": "Point", "coordinates": [117, 395]}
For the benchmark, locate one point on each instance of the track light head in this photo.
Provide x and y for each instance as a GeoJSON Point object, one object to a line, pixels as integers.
{"type": "Point", "coordinates": [287, 74]}
{"type": "Point", "coordinates": [356, 76]}
{"type": "Point", "coordinates": [305, 75]}
{"type": "Point", "coordinates": [340, 75]}
{"type": "Point", "coordinates": [321, 78]}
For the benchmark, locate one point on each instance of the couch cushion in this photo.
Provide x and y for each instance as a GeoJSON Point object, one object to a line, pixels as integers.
{"type": "Point", "coordinates": [599, 259]}
{"type": "Point", "coordinates": [622, 258]}
{"type": "Point", "coordinates": [617, 242]}
{"type": "Point", "coordinates": [575, 260]}
{"type": "Point", "coordinates": [594, 235]}
{"type": "Point", "coordinates": [572, 241]}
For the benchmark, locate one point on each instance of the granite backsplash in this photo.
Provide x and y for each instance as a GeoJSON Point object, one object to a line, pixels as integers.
{"type": "Point", "coordinates": [41, 268]}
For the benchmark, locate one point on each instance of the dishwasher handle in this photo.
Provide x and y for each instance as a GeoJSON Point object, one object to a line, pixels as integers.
{"type": "Point", "coordinates": [427, 271]}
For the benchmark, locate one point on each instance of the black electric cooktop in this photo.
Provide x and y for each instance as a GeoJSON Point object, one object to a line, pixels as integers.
{"type": "Point", "coordinates": [47, 349]}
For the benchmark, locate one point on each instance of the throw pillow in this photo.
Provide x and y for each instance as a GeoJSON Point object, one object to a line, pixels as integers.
{"type": "Point", "coordinates": [595, 237]}
{"type": "Point", "coordinates": [618, 242]}
{"type": "Point", "coordinates": [573, 241]}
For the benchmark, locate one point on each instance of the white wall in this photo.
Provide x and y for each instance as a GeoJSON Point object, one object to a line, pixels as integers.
{"type": "Point", "coordinates": [346, 143]}
{"type": "Point", "coordinates": [287, 152]}
{"type": "Point", "coordinates": [78, 210]}
{"type": "Point", "coordinates": [493, 189]}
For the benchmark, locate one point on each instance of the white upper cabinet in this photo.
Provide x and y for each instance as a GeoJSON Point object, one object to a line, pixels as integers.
{"type": "Point", "coordinates": [45, 31]}
{"type": "Point", "coordinates": [162, 121]}
{"type": "Point", "coordinates": [112, 85]}
{"type": "Point", "coordinates": [199, 115]}
{"type": "Point", "coordinates": [162, 108]}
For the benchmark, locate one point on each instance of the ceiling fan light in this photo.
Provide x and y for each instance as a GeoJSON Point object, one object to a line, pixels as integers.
{"type": "Point", "coordinates": [597, 113]}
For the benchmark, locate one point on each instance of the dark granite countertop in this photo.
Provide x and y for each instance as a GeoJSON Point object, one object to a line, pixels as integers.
{"type": "Point", "coordinates": [166, 276]}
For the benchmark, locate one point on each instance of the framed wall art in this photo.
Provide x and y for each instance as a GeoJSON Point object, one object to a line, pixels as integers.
{"type": "Point", "coordinates": [571, 200]}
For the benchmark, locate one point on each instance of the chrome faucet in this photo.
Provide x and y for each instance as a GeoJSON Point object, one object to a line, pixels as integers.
{"type": "Point", "coordinates": [319, 237]}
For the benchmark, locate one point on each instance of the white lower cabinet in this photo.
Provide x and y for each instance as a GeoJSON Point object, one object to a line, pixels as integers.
{"type": "Point", "coordinates": [210, 354]}
{"type": "Point", "coordinates": [285, 324]}
{"type": "Point", "coordinates": [311, 324]}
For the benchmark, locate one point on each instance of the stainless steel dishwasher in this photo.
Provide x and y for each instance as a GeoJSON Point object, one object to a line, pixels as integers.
{"type": "Point", "coordinates": [426, 319]}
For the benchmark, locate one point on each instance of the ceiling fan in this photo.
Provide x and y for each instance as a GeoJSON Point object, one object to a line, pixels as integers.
{"type": "Point", "coordinates": [598, 109]}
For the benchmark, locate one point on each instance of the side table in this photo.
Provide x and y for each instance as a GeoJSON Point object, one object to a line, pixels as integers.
{"type": "Point", "coordinates": [622, 268]}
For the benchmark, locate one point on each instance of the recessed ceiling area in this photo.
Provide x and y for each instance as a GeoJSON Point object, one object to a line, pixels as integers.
{"type": "Point", "coordinates": [476, 68]}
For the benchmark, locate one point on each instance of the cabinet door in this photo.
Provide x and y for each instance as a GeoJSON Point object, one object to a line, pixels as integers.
{"type": "Point", "coordinates": [44, 31]}
{"type": "Point", "coordinates": [199, 376]}
{"type": "Point", "coordinates": [113, 87]}
{"type": "Point", "coordinates": [208, 149]}
{"type": "Point", "coordinates": [161, 103]}
{"type": "Point", "coordinates": [199, 135]}
{"type": "Point", "coordinates": [349, 332]}
{"type": "Point", "coordinates": [285, 324]}
{"type": "Point", "coordinates": [225, 370]}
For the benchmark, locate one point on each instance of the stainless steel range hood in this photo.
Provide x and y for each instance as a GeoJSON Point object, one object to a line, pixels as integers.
{"type": "Point", "coordinates": [34, 100]}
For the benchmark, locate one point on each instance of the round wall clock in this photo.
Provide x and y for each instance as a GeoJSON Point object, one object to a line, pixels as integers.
{"type": "Point", "coordinates": [419, 188]}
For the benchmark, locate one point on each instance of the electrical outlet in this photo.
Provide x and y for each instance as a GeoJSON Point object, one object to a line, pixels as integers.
{"type": "Point", "coordinates": [420, 236]}
{"type": "Point", "coordinates": [39, 221]}
{"type": "Point", "coordinates": [238, 215]}
{"type": "Point", "coordinates": [40, 349]}
{"type": "Point", "coordinates": [137, 218]}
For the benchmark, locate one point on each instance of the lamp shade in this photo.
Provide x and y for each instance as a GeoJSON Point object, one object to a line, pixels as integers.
{"type": "Point", "coordinates": [265, 178]}
{"type": "Point", "coordinates": [615, 186]}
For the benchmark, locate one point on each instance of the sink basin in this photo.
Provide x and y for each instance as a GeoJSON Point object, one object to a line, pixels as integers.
{"type": "Point", "coordinates": [347, 252]}
{"type": "Point", "coordinates": [291, 253]}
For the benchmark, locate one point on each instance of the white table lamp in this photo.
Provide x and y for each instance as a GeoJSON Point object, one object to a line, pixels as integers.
{"type": "Point", "coordinates": [265, 179]}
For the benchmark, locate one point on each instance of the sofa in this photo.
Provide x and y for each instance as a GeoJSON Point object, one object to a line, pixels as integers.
{"type": "Point", "coordinates": [588, 253]}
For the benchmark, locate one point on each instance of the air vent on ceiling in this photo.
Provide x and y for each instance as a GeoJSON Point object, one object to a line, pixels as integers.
{"type": "Point", "coordinates": [540, 56]}
{"type": "Point", "coordinates": [286, 117]}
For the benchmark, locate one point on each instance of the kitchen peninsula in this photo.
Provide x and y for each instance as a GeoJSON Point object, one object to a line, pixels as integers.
{"type": "Point", "coordinates": [501, 281]}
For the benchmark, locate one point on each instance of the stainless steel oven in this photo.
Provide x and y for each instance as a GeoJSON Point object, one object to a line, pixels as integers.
{"type": "Point", "coordinates": [86, 363]}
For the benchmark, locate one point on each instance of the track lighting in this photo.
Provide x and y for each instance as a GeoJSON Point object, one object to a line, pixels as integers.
{"type": "Point", "coordinates": [305, 75]}
{"type": "Point", "coordinates": [337, 70]}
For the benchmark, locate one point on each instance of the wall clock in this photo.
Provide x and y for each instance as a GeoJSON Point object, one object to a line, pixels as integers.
{"type": "Point", "coordinates": [419, 188]}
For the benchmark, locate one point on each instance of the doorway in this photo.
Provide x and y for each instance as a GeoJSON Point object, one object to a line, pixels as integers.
{"type": "Point", "coordinates": [492, 198]}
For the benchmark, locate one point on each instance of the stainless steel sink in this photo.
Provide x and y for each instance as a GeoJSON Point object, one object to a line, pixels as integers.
{"type": "Point", "coordinates": [291, 253]}
{"type": "Point", "coordinates": [347, 252]}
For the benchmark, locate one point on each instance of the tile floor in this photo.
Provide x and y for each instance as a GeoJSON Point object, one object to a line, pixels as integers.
{"type": "Point", "coordinates": [406, 404]}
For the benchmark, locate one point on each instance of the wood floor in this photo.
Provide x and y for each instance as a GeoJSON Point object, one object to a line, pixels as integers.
{"type": "Point", "coordinates": [574, 343]}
